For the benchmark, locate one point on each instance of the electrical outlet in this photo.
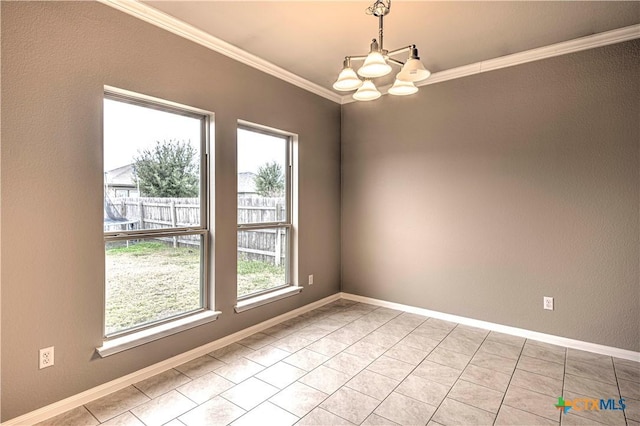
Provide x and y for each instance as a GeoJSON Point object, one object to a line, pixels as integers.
{"type": "Point", "coordinates": [547, 303]}
{"type": "Point", "coordinates": [46, 357]}
{"type": "Point", "coordinates": [310, 279]}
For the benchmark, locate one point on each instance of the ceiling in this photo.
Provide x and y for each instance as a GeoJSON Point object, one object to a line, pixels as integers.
{"type": "Point", "coordinates": [311, 38]}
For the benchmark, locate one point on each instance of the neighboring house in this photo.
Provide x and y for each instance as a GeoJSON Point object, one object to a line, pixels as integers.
{"type": "Point", "coordinates": [247, 183]}
{"type": "Point", "coordinates": [119, 182]}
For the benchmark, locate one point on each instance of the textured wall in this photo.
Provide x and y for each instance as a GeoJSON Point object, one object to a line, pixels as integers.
{"type": "Point", "coordinates": [479, 196]}
{"type": "Point", "coordinates": [56, 57]}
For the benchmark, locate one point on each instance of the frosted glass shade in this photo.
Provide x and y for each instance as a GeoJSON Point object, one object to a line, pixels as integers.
{"type": "Point", "coordinates": [413, 70]}
{"type": "Point", "coordinates": [402, 88]}
{"type": "Point", "coordinates": [374, 66]}
{"type": "Point", "coordinates": [347, 80]}
{"type": "Point", "coordinates": [367, 92]}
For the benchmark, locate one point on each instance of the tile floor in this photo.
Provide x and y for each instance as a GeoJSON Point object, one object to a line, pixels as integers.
{"type": "Point", "coordinates": [351, 363]}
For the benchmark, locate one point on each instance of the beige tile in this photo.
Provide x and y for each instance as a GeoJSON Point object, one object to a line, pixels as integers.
{"type": "Point", "coordinates": [364, 350]}
{"type": "Point", "coordinates": [632, 409]}
{"type": "Point", "coordinates": [279, 331]}
{"type": "Point", "coordinates": [452, 412]}
{"type": "Point", "coordinates": [450, 359]}
{"type": "Point", "coordinates": [306, 359]}
{"type": "Point", "coordinates": [164, 408]}
{"type": "Point", "coordinates": [327, 347]}
{"type": "Point", "coordinates": [320, 417]}
{"type": "Point", "coordinates": [627, 370]}
{"type": "Point", "coordinates": [217, 411]}
{"type": "Point", "coordinates": [509, 416]}
{"type": "Point", "coordinates": [382, 339]}
{"type": "Point", "coordinates": [249, 393]}
{"type": "Point", "coordinates": [629, 389]}
{"type": "Point", "coordinates": [442, 324]}
{"type": "Point", "coordinates": [373, 384]}
{"type": "Point", "coordinates": [363, 326]}
{"type": "Point", "coordinates": [266, 414]}
{"type": "Point", "coordinates": [330, 324]}
{"type": "Point", "coordinates": [174, 422]}
{"type": "Point", "coordinates": [407, 354]}
{"type": "Point", "coordinates": [390, 367]}
{"type": "Point", "coordinates": [420, 342]}
{"type": "Point", "coordinates": [257, 341]}
{"type": "Point", "coordinates": [76, 416]}
{"type": "Point", "coordinates": [291, 343]}
{"type": "Point", "coordinates": [506, 339]}
{"type": "Point", "coordinates": [422, 389]}
{"type": "Point", "coordinates": [204, 388]}
{"type": "Point", "coordinates": [312, 333]}
{"type": "Point", "coordinates": [116, 403]}
{"type": "Point", "coordinates": [239, 370]}
{"type": "Point", "coordinates": [281, 375]}
{"type": "Point", "coordinates": [587, 386]}
{"type": "Point", "coordinates": [162, 383]}
{"type": "Point", "coordinates": [267, 356]}
{"type": "Point", "coordinates": [199, 366]}
{"type": "Point", "coordinates": [325, 379]}
{"type": "Point", "coordinates": [591, 371]}
{"type": "Point", "coordinates": [347, 336]}
{"type": "Point", "coordinates": [473, 333]}
{"type": "Point", "coordinates": [350, 404]}
{"type": "Point", "coordinates": [413, 320]}
{"type": "Point", "coordinates": [396, 329]}
{"type": "Point", "coordinates": [599, 360]}
{"type": "Point", "coordinates": [537, 383]}
{"type": "Point", "coordinates": [571, 419]}
{"type": "Point", "coordinates": [504, 350]}
{"type": "Point", "coordinates": [434, 333]}
{"type": "Point", "coordinates": [376, 420]}
{"type": "Point", "coordinates": [494, 362]}
{"type": "Point", "coordinates": [347, 363]}
{"type": "Point", "coordinates": [127, 419]}
{"type": "Point", "coordinates": [544, 351]}
{"type": "Point", "coordinates": [299, 398]}
{"type": "Point", "coordinates": [485, 377]}
{"type": "Point", "coordinates": [540, 366]}
{"type": "Point", "coordinates": [230, 353]}
{"type": "Point", "coordinates": [532, 402]}
{"type": "Point", "coordinates": [437, 373]}
{"type": "Point", "coordinates": [476, 396]}
{"type": "Point", "coordinates": [404, 410]}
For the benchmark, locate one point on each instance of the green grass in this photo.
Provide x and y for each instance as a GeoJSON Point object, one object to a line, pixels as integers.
{"type": "Point", "coordinates": [150, 281]}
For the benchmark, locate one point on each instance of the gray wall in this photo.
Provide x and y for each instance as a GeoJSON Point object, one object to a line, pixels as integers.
{"type": "Point", "coordinates": [479, 196]}
{"type": "Point", "coordinates": [56, 57]}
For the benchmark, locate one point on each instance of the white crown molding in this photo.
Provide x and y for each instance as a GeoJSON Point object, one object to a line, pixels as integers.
{"type": "Point", "coordinates": [514, 331]}
{"type": "Point", "coordinates": [576, 45]}
{"type": "Point", "coordinates": [189, 32]}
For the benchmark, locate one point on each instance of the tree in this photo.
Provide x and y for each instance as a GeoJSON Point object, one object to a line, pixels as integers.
{"type": "Point", "coordinates": [167, 170]}
{"type": "Point", "coordinates": [270, 180]}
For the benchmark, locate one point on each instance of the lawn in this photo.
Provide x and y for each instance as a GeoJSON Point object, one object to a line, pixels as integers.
{"type": "Point", "coordinates": [150, 281]}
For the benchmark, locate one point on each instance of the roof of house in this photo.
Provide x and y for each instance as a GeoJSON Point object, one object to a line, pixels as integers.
{"type": "Point", "coordinates": [120, 176]}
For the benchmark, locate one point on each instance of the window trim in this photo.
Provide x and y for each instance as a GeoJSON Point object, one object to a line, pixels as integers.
{"type": "Point", "coordinates": [157, 329]}
{"type": "Point", "coordinates": [289, 288]}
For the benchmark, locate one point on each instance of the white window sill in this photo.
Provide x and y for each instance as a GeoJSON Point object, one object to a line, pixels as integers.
{"type": "Point", "coordinates": [263, 299]}
{"type": "Point", "coordinates": [119, 344]}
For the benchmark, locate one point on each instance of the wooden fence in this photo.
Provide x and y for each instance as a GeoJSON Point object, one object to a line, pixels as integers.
{"type": "Point", "coordinates": [266, 245]}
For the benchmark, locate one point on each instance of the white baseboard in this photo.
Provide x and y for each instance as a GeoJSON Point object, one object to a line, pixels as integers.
{"type": "Point", "coordinates": [514, 331]}
{"type": "Point", "coordinates": [89, 395]}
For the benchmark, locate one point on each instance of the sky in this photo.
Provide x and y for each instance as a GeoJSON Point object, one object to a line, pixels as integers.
{"type": "Point", "coordinates": [129, 129]}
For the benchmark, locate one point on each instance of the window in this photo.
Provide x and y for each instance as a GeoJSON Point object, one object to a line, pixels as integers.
{"type": "Point", "coordinates": [155, 213]}
{"type": "Point", "coordinates": [264, 211]}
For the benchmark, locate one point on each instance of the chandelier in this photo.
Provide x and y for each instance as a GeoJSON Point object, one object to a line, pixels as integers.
{"type": "Point", "coordinates": [378, 63]}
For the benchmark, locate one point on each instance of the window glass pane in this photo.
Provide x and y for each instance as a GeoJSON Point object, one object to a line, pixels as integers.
{"type": "Point", "coordinates": [262, 177]}
{"type": "Point", "coordinates": [150, 280]}
{"type": "Point", "coordinates": [152, 171]}
{"type": "Point", "coordinates": [262, 259]}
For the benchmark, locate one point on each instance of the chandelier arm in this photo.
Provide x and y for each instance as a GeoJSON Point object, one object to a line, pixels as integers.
{"type": "Point", "coordinates": [396, 62]}
{"type": "Point", "coordinates": [357, 58]}
{"type": "Point", "coordinates": [402, 49]}
{"type": "Point", "coordinates": [381, 31]}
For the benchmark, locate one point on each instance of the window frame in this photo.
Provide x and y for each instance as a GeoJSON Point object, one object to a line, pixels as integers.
{"type": "Point", "coordinates": [288, 223]}
{"type": "Point", "coordinates": [203, 229]}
